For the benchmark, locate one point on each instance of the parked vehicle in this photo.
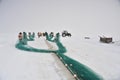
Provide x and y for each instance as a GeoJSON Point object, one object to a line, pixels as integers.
{"type": "Point", "coordinates": [65, 33]}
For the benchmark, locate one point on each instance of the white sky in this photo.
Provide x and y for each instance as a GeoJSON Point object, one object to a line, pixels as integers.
{"type": "Point", "coordinates": [82, 16]}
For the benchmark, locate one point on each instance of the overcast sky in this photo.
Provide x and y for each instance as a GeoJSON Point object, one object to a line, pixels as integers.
{"type": "Point", "coordinates": [82, 16]}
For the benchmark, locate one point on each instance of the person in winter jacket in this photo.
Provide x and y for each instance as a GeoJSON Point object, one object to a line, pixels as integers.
{"type": "Point", "coordinates": [20, 36]}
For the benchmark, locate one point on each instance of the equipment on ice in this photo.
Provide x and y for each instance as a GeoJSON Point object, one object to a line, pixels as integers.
{"type": "Point", "coordinates": [106, 39]}
{"type": "Point", "coordinates": [65, 33]}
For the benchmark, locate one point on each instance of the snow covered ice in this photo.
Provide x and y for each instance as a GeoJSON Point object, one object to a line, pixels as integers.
{"type": "Point", "coordinates": [21, 65]}
{"type": "Point", "coordinates": [90, 18]}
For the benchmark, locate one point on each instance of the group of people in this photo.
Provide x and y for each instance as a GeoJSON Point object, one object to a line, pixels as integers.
{"type": "Point", "coordinates": [39, 34]}
{"type": "Point", "coordinates": [24, 35]}
{"type": "Point", "coordinates": [32, 35]}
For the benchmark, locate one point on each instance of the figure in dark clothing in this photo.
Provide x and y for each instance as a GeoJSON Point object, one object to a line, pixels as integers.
{"type": "Point", "coordinates": [20, 36]}
{"type": "Point", "coordinates": [39, 34]}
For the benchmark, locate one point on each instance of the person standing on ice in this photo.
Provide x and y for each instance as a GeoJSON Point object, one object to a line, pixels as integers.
{"type": "Point", "coordinates": [33, 35]}
{"type": "Point", "coordinates": [29, 34]}
{"type": "Point", "coordinates": [38, 34]}
{"type": "Point", "coordinates": [20, 36]}
{"type": "Point", "coordinates": [25, 39]}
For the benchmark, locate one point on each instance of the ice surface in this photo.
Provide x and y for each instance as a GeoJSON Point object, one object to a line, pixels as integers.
{"type": "Point", "coordinates": [101, 57]}
{"type": "Point", "coordinates": [21, 65]}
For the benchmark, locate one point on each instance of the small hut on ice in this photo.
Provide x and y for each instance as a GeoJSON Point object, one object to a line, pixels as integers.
{"type": "Point", "coordinates": [106, 39]}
